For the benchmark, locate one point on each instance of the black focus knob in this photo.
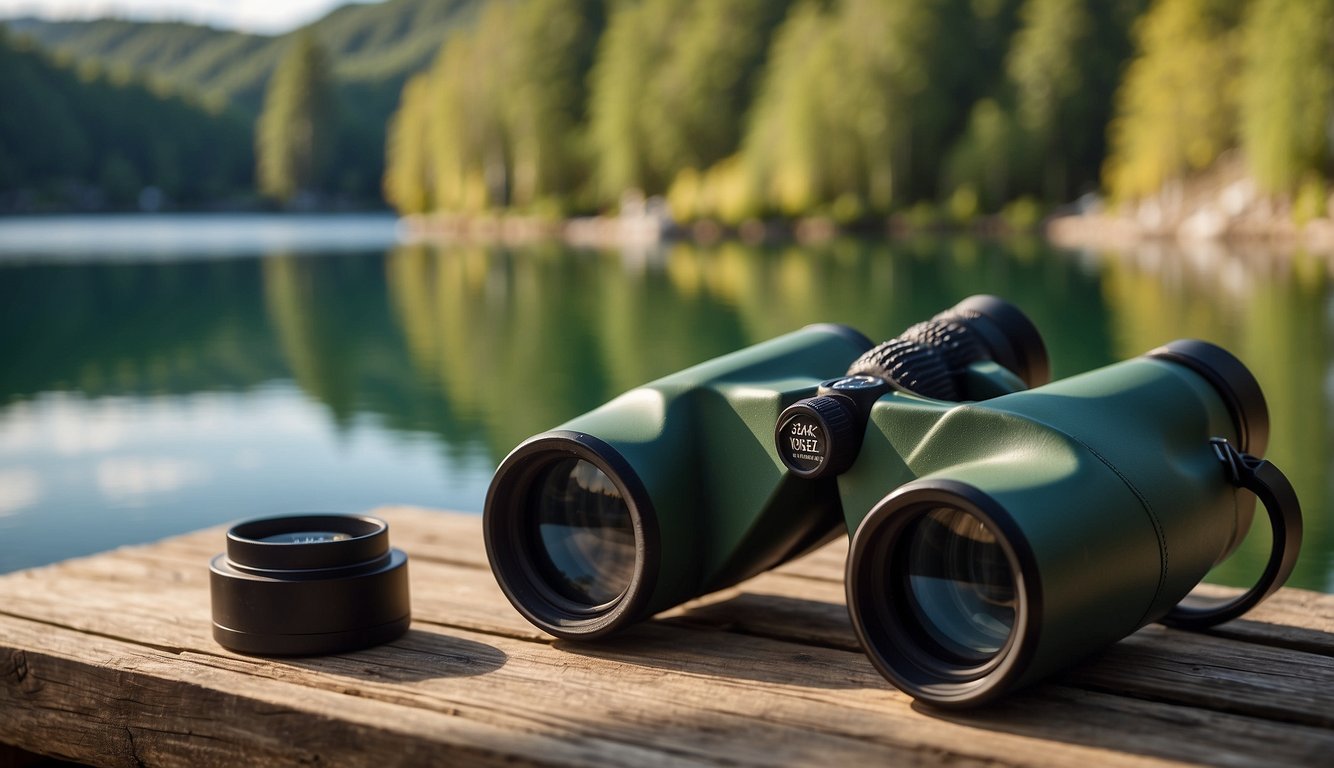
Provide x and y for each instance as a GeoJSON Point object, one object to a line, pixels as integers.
{"type": "Point", "coordinates": [819, 436]}
{"type": "Point", "coordinates": [912, 365]}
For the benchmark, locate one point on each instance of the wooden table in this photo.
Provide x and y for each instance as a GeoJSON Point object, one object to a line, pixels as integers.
{"type": "Point", "coordinates": [108, 660]}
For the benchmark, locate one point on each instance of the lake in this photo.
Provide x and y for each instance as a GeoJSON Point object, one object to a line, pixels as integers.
{"type": "Point", "coordinates": [161, 374]}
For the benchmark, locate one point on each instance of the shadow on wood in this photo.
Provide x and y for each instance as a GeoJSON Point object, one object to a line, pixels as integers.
{"type": "Point", "coordinates": [416, 656]}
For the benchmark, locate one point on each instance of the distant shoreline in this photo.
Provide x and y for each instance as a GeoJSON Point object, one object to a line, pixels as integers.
{"type": "Point", "coordinates": [1096, 231]}
{"type": "Point", "coordinates": [610, 231]}
{"type": "Point", "coordinates": [1111, 232]}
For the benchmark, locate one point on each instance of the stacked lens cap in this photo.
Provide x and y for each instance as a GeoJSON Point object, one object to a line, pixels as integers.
{"type": "Point", "coordinates": [305, 585]}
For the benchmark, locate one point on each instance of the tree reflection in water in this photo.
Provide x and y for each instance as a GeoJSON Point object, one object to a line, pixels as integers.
{"type": "Point", "coordinates": [484, 346]}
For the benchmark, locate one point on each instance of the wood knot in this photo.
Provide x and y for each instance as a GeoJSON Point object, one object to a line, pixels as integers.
{"type": "Point", "coordinates": [17, 671]}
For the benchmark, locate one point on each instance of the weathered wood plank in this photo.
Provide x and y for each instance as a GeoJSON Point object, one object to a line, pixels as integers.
{"type": "Point", "coordinates": [1168, 667]}
{"type": "Point", "coordinates": [107, 702]}
{"type": "Point", "coordinates": [650, 705]}
{"type": "Point", "coordinates": [798, 706]}
{"type": "Point", "coordinates": [764, 673]}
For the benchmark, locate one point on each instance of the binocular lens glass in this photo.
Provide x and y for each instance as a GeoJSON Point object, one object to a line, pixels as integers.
{"type": "Point", "coordinates": [960, 584]}
{"type": "Point", "coordinates": [585, 541]}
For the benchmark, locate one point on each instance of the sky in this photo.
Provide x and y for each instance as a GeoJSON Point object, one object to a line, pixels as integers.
{"type": "Point", "coordinates": [264, 16]}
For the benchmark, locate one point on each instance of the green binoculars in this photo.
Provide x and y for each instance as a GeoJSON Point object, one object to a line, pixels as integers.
{"type": "Point", "coordinates": [1002, 526]}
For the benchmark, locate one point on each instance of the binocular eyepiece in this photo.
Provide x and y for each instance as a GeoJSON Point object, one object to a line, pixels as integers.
{"type": "Point", "coordinates": [1001, 526]}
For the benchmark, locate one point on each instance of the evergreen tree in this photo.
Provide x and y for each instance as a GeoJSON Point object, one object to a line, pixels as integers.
{"type": "Point", "coordinates": [671, 87]}
{"type": "Point", "coordinates": [294, 136]}
{"type": "Point", "coordinates": [1041, 131]}
{"type": "Point", "coordinates": [854, 103]}
{"type": "Point", "coordinates": [67, 128]}
{"type": "Point", "coordinates": [406, 152]}
{"type": "Point", "coordinates": [1287, 90]}
{"type": "Point", "coordinates": [1175, 112]}
{"type": "Point", "coordinates": [627, 54]}
{"type": "Point", "coordinates": [989, 157]}
{"type": "Point", "coordinates": [1044, 65]}
{"type": "Point", "coordinates": [496, 121]}
{"type": "Point", "coordinates": [545, 97]}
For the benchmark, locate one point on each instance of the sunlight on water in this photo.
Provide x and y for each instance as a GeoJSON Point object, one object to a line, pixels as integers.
{"type": "Point", "coordinates": [135, 237]}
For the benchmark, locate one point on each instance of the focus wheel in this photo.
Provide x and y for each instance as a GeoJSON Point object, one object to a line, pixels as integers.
{"type": "Point", "coordinates": [818, 437]}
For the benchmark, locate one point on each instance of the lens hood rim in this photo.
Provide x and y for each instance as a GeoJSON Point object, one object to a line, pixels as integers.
{"type": "Point", "coordinates": [505, 535]}
{"type": "Point", "coordinates": [1234, 382]}
{"type": "Point", "coordinates": [246, 548]}
{"type": "Point", "coordinates": [1014, 333]}
{"type": "Point", "coordinates": [889, 639]}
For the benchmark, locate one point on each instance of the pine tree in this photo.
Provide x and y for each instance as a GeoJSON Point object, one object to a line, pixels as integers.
{"type": "Point", "coordinates": [671, 87]}
{"type": "Point", "coordinates": [552, 43]}
{"type": "Point", "coordinates": [1175, 112]}
{"type": "Point", "coordinates": [406, 168]}
{"type": "Point", "coordinates": [1044, 65]}
{"type": "Point", "coordinates": [854, 102]}
{"type": "Point", "coordinates": [496, 121]}
{"type": "Point", "coordinates": [1287, 90]}
{"type": "Point", "coordinates": [295, 133]}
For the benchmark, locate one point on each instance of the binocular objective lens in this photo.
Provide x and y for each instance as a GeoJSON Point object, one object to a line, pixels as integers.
{"type": "Point", "coordinates": [960, 584]}
{"type": "Point", "coordinates": [585, 541]}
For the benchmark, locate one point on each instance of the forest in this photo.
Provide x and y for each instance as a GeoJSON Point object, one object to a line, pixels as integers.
{"type": "Point", "coordinates": [87, 138]}
{"type": "Point", "coordinates": [857, 108]}
{"type": "Point", "coordinates": [369, 51]}
{"type": "Point", "coordinates": [736, 109]}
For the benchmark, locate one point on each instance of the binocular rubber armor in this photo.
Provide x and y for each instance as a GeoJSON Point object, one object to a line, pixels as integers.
{"type": "Point", "coordinates": [1001, 526]}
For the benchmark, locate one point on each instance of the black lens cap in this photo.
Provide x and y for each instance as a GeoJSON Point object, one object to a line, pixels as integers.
{"type": "Point", "coordinates": [305, 585]}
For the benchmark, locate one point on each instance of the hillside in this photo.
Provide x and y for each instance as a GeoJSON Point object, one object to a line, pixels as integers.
{"type": "Point", "coordinates": [374, 49]}
{"type": "Point", "coordinates": [376, 44]}
{"type": "Point", "coordinates": [77, 137]}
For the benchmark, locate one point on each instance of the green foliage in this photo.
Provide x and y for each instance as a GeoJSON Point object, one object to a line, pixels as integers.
{"type": "Point", "coordinates": [295, 134]}
{"type": "Point", "coordinates": [373, 49]}
{"type": "Point", "coordinates": [1022, 214]}
{"type": "Point", "coordinates": [854, 98]}
{"type": "Point", "coordinates": [382, 42]}
{"type": "Point", "coordinates": [407, 176]}
{"type": "Point", "coordinates": [67, 132]}
{"type": "Point", "coordinates": [1044, 66]}
{"type": "Point", "coordinates": [1040, 131]}
{"type": "Point", "coordinates": [1310, 202]}
{"type": "Point", "coordinates": [1176, 109]}
{"type": "Point", "coordinates": [120, 181]}
{"type": "Point", "coordinates": [988, 157]}
{"type": "Point", "coordinates": [1287, 90]}
{"type": "Point", "coordinates": [848, 109]}
{"type": "Point", "coordinates": [962, 204]}
{"type": "Point", "coordinates": [671, 86]}
{"type": "Point", "coordinates": [496, 121]}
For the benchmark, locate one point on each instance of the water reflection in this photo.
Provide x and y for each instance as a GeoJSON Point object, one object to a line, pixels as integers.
{"type": "Point", "coordinates": [525, 339]}
{"type": "Point", "coordinates": [461, 352]}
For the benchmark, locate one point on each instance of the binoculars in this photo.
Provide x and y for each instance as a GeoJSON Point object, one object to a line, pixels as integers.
{"type": "Point", "coordinates": [1002, 526]}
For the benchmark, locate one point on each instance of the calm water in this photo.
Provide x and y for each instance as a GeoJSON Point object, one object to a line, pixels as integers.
{"type": "Point", "coordinates": [162, 374]}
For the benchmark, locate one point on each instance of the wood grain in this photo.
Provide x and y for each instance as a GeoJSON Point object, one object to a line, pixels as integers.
{"type": "Point", "coordinates": [109, 660]}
